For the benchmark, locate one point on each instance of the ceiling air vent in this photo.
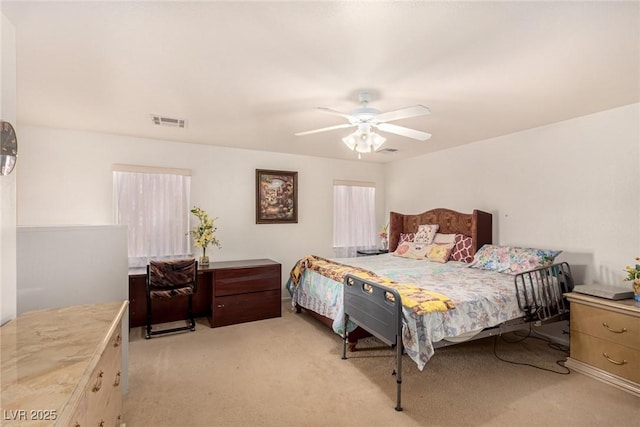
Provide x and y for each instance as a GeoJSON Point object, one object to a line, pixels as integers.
{"type": "Point", "coordinates": [168, 121]}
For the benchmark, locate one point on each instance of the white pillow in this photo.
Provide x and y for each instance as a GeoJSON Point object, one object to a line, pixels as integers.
{"type": "Point", "coordinates": [426, 233]}
{"type": "Point", "coordinates": [444, 238]}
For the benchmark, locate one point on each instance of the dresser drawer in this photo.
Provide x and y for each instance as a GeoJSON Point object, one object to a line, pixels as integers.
{"type": "Point", "coordinates": [229, 310]}
{"type": "Point", "coordinates": [611, 326]}
{"type": "Point", "coordinates": [104, 392]}
{"type": "Point", "coordinates": [245, 280]}
{"type": "Point", "coordinates": [606, 355]}
{"type": "Point", "coordinates": [79, 416]}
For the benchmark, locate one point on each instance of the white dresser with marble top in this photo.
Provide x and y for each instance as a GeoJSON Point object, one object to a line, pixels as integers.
{"type": "Point", "coordinates": [63, 367]}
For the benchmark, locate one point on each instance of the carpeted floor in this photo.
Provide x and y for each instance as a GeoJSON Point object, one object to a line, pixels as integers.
{"type": "Point", "coordinates": [288, 372]}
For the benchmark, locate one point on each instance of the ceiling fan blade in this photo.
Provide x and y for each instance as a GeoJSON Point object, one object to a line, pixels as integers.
{"type": "Point", "coordinates": [403, 113]}
{"type": "Point", "coordinates": [337, 113]}
{"type": "Point", "coordinates": [401, 130]}
{"type": "Point", "coordinates": [342, 126]}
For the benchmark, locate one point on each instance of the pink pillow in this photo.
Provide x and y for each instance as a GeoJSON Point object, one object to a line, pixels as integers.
{"type": "Point", "coordinates": [462, 249]}
{"type": "Point", "coordinates": [412, 250]}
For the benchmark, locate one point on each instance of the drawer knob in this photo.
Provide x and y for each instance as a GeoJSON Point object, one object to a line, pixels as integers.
{"type": "Point", "coordinates": [615, 331]}
{"type": "Point", "coordinates": [116, 383]}
{"type": "Point", "coordinates": [98, 385]}
{"type": "Point", "coordinates": [615, 362]}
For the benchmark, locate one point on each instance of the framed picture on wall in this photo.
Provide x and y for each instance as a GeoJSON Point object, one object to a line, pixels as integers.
{"type": "Point", "coordinates": [276, 197]}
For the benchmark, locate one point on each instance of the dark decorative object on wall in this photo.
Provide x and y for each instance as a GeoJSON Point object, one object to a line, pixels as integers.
{"type": "Point", "coordinates": [276, 197]}
{"type": "Point", "coordinates": [8, 148]}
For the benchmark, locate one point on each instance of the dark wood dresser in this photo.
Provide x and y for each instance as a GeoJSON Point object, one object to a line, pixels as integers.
{"type": "Point", "coordinates": [244, 291]}
{"type": "Point", "coordinates": [228, 292]}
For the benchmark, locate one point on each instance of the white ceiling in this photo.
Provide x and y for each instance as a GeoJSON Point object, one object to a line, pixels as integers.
{"type": "Point", "coordinates": [251, 74]}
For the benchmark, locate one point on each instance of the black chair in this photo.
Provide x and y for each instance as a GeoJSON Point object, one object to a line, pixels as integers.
{"type": "Point", "coordinates": [170, 279]}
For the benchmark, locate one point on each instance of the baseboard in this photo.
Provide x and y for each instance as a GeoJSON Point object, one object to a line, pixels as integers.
{"type": "Point", "coordinates": [605, 377]}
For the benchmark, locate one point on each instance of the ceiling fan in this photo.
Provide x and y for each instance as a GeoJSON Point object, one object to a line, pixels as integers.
{"type": "Point", "coordinates": [366, 119]}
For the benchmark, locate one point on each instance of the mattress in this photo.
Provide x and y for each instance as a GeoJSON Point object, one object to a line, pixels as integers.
{"type": "Point", "coordinates": [482, 299]}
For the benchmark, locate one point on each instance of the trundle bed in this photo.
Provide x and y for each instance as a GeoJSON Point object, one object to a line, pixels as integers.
{"type": "Point", "coordinates": [418, 305]}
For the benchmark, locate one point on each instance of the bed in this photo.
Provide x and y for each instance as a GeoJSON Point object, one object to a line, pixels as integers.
{"type": "Point", "coordinates": [463, 302]}
{"type": "Point", "coordinates": [477, 225]}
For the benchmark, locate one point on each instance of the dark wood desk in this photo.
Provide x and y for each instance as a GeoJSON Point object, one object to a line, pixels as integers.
{"type": "Point", "coordinates": [228, 292]}
{"type": "Point", "coordinates": [166, 310]}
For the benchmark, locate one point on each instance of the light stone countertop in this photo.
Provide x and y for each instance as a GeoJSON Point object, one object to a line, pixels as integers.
{"type": "Point", "coordinates": [46, 359]}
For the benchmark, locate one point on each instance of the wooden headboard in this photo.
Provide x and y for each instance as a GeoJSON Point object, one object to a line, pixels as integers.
{"type": "Point", "coordinates": [478, 225]}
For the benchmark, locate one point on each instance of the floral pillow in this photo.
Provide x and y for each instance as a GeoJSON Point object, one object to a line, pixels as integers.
{"type": "Point", "coordinates": [406, 237]}
{"type": "Point", "coordinates": [426, 233]}
{"type": "Point", "coordinates": [462, 248]}
{"type": "Point", "coordinates": [512, 260]}
{"type": "Point", "coordinates": [439, 252]}
{"type": "Point", "coordinates": [411, 250]}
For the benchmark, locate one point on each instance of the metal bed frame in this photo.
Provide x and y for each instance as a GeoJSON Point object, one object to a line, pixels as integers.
{"type": "Point", "coordinates": [378, 309]}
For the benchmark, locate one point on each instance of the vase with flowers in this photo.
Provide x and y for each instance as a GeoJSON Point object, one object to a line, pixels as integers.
{"type": "Point", "coordinates": [384, 236]}
{"type": "Point", "coordinates": [633, 276]}
{"type": "Point", "coordinates": [204, 234]}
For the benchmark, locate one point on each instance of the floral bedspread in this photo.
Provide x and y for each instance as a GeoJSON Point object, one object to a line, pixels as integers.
{"type": "Point", "coordinates": [482, 299]}
{"type": "Point", "coordinates": [416, 298]}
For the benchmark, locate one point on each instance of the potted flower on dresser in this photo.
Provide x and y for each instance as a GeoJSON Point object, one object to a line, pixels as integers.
{"type": "Point", "coordinates": [633, 276]}
{"type": "Point", "coordinates": [204, 234]}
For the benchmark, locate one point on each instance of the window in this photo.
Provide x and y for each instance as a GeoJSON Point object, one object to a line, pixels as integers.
{"type": "Point", "coordinates": [154, 204]}
{"type": "Point", "coordinates": [354, 219]}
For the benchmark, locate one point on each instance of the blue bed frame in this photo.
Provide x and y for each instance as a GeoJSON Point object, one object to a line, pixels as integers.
{"type": "Point", "coordinates": [378, 310]}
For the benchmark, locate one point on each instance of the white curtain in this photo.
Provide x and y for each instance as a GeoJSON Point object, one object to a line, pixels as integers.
{"type": "Point", "coordinates": [354, 220]}
{"type": "Point", "coordinates": [156, 209]}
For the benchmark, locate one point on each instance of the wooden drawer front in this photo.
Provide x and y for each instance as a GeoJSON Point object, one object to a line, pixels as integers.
{"type": "Point", "coordinates": [79, 417]}
{"type": "Point", "coordinates": [623, 361]}
{"type": "Point", "coordinates": [616, 327]}
{"type": "Point", "coordinates": [104, 394]}
{"type": "Point", "coordinates": [243, 280]}
{"type": "Point", "coordinates": [241, 308]}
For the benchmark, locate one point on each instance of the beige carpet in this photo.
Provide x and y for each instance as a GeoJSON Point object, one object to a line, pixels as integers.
{"type": "Point", "coordinates": [288, 372]}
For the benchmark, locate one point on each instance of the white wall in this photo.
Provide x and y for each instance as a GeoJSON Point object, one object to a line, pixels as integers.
{"type": "Point", "coordinates": [8, 183]}
{"type": "Point", "coordinates": [66, 178]}
{"type": "Point", "coordinates": [573, 185]}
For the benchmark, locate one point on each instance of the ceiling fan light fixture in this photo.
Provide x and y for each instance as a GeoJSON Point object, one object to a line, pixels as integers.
{"type": "Point", "coordinates": [367, 119]}
{"type": "Point", "coordinates": [364, 140]}
{"type": "Point", "coordinates": [350, 141]}
{"type": "Point", "coordinates": [363, 146]}
{"type": "Point", "coordinates": [376, 140]}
